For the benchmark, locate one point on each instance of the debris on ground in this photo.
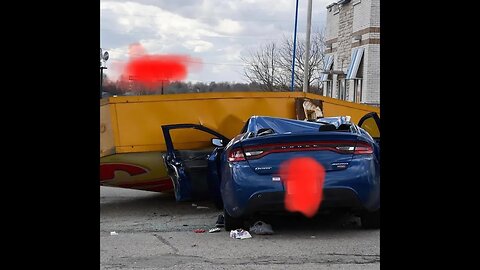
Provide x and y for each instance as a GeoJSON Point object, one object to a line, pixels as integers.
{"type": "Point", "coordinates": [213, 230]}
{"type": "Point", "coordinates": [194, 205]}
{"type": "Point", "coordinates": [313, 236]}
{"type": "Point", "coordinates": [113, 233]}
{"type": "Point", "coordinates": [220, 221]}
{"type": "Point", "coordinates": [202, 207]}
{"type": "Point", "coordinates": [185, 225]}
{"type": "Point", "coordinates": [240, 234]}
{"type": "Point", "coordinates": [261, 228]}
{"type": "Point", "coordinates": [199, 231]}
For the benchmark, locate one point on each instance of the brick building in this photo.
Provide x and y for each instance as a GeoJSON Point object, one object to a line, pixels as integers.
{"type": "Point", "coordinates": [352, 61]}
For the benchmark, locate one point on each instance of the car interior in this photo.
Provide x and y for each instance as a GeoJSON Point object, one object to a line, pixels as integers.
{"type": "Point", "coordinates": [195, 163]}
{"type": "Point", "coordinates": [332, 127]}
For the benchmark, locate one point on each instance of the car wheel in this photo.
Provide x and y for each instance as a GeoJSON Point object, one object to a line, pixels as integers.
{"type": "Point", "coordinates": [371, 220]}
{"type": "Point", "coordinates": [232, 223]}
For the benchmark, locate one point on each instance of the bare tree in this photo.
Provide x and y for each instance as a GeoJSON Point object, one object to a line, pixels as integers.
{"type": "Point", "coordinates": [261, 66]}
{"type": "Point", "coordinates": [317, 49]}
{"type": "Point", "coordinates": [271, 64]}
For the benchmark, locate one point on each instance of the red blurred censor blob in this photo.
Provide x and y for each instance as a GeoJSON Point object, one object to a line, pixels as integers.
{"type": "Point", "coordinates": [153, 70]}
{"type": "Point", "coordinates": [303, 179]}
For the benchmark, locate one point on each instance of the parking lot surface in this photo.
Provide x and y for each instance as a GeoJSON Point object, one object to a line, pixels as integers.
{"type": "Point", "coordinates": [152, 231]}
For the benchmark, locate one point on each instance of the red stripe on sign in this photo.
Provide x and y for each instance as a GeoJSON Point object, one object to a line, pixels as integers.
{"type": "Point", "coordinates": [149, 183]}
{"type": "Point", "coordinates": [107, 170]}
{"type": "Point", "coordinates": [160, 185]}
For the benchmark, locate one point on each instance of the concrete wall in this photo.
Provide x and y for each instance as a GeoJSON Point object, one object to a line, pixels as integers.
{"type": "Point", "coordinates": [371, 93]}
{"type": "Point", "coordinates": [352, 25]}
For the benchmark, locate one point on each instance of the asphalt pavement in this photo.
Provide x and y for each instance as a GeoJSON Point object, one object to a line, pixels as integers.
{"type": "Point", "coordinates": [152, 231]}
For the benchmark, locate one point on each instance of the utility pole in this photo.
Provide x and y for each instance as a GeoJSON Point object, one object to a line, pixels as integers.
{"type": "Point", "coordinates": [307, 52]}
{"type": "Point", "coordinates": [103, 58]}
{"type": "Point", "coordinates": [101, 80]}
{"type": "Point", "coordinates": [294, 47]}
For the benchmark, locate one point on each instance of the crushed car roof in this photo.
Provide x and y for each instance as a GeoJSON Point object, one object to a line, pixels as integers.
{"type": "Point", "coordinates": [285, 126]}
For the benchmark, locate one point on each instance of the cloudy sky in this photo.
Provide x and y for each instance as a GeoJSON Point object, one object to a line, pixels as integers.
{"type": "Point", "coordinates": [217, 32]}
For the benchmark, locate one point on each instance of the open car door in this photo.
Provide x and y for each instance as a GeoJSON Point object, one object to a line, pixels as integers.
{"type": "Point", "coordinates": [371, 123]}
{"type": "Point", "coordinates": [188, 169]}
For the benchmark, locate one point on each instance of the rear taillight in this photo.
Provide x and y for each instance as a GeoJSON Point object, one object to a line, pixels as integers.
{"type": "Point", "coordinates": [253, 153]}
{"type": "Point", "coordinates": [363, 148]}
{"type": "Point", "coordinates": [236, 155]}
{"type": "Point", "coordinates": [342, 147]}
{"type": "Point", "coordinates": [360, 148]}
{"type": "Point", "coordinates": [345, 149]}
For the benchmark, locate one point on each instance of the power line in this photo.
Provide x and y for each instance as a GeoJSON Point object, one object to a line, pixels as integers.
{"type": "Point", "coordinates": [205, 36]}
{"type": "Point", "coordinates": [188, 61]}
{"type": "Point", "coordinates": [200, 19]}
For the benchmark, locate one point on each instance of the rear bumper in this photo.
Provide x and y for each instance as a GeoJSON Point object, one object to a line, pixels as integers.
{"type": "Point", "coordinates": [275, 201]}
{"type": "Point", "coordinates": [245, 192]}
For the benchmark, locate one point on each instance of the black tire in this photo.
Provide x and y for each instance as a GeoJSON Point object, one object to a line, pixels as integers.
{"type": "Point", "coordinates": [232, 223]}
{"type": "Point", "coordinates": [371, 220]}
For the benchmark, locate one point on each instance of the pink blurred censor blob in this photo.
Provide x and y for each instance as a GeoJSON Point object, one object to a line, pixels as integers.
{"type": "Point", "coordinates": [155, 70]}
{"type": "Point", "coordinates": [303, 178]}
{"type": "Point", "coordinates": [136, 50]}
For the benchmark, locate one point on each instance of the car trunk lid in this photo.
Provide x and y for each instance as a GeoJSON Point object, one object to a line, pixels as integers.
{"type": "Point", "coordinates": [334, 150]}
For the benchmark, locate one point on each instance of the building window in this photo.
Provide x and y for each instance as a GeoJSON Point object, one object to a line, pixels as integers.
{"type": "Point", "coordinates": [327, 78]}
{"type": "Point", "coordinates": [328, 86]}
{"type": "Point", "coordinates": [327, 66]}
{"type": "Point", "coordinates": [341, 89]}
{"type": "Point", "coordinates": [359, 87]}
{"type": "Point", "coordinates": [357, 54]}
{"type": "Point", "coordinates": [355, 74]}
{"type": "Point", "coordinates": [357, 90]}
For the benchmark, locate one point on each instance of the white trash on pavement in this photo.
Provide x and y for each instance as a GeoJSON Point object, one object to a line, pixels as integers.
{"type": "Point", "coordinates": [240, 234]}
{"type": "Point", "coordinates": [214, 230]}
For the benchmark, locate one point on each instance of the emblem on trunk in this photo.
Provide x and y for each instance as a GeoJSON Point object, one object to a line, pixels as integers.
{"type": "Point", "coordinates": [262, 168]}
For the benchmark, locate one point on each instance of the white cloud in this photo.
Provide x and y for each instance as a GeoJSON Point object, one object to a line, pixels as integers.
{"type": "Point", "coordinates": [198, 45]}
{"type": "Point", "coordinates": [229, 26]}
{"type": "Point", "coordinates": [156, 46]}
{"type": "Point", "coordinates": [216, 31]}
{"type": "Point", "coordinates": [136, 17]}
{"type": "Point", "coordinates": [219, 69]}
{"type": "Point", "coordinates": [231, 53]}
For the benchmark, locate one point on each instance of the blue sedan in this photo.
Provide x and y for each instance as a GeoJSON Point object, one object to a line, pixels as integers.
{"type": "Point", "coordinates": [242, 174]}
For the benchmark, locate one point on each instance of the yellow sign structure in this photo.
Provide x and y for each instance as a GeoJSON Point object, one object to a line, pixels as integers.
{"type": "Point", "coordinates": [131, 134]}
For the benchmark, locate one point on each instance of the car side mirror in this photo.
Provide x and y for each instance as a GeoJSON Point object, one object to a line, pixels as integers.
{"type": "Point", "coordinates": [217, 142]}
